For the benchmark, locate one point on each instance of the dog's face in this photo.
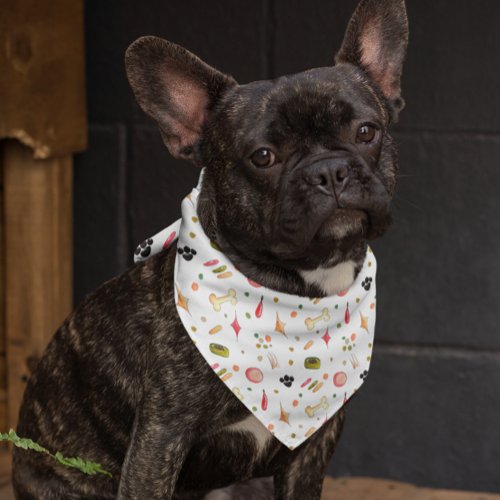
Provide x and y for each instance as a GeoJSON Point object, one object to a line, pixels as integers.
{"type": "Point", "coordinates": [305, 161]}
{"type": "Point", "coordinates": [301, 169]}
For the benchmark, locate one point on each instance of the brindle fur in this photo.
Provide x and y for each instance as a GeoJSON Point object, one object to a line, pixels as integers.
{"type": "Point", "coordinates": [123, 352]}
{"type": "Point", "coordinates": [121, 383]}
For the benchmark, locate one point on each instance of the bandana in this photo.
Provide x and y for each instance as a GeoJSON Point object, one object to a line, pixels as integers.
{"type": "Point", "coordinates": [292, 361]}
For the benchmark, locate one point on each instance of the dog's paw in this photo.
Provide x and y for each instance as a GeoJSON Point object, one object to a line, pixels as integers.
{"type": "Point", "coordinates": [144, 249]}
{"type": "Point", "coordinates": [186, 252]}
{"type": "Point", "coordinates": [367, 283]}
{"type": "Point", "coordinates": [255, 489]}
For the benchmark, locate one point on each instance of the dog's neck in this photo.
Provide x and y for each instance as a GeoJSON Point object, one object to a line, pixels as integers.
{"type": "Point", "coordinates": [327, 279]}
{"type": "Point", "coordinates": [320, 282]}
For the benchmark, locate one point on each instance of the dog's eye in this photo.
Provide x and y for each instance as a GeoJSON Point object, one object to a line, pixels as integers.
{"type": "Point", "coordinates": [263, 158]}
{"type": "Point", "coordinates": [366, 133]}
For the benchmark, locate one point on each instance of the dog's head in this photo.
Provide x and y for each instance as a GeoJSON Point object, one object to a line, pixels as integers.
{"type": "Point", "coordinates": [300, 169]}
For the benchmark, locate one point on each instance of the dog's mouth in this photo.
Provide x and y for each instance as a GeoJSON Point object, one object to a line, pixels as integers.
{"type": "Point", "coordinates": [350, 222]}
{"type": "Point", "coordinates": [329, 202]}
{"type": "Point", "coordinates": [318, 239]}
{"type": "Point", "coordinates": [343, 222]}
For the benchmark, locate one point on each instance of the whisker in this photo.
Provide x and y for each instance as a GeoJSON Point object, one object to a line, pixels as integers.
{"type": "Point", "coordinates": [398, 198]}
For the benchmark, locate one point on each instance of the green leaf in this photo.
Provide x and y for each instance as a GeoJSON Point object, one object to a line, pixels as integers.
{"type": "Point", "coordinates": [85, 466]}
{"type": "Point", "coordinates": [24, 443]}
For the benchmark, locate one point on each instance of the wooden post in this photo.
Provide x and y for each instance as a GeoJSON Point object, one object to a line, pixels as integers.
{"type": "Point", "coordinates": [38, 259]}
{"type": "Point", "coordinates": [42, 106]}
{"type": "Point", "coordinates": [4, 418]}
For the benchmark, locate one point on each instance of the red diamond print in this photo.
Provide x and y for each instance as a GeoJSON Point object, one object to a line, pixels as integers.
{"type": "Point", "coordinates": [236, 326]}
{"type": "Point", "coordinates": [326, 337]}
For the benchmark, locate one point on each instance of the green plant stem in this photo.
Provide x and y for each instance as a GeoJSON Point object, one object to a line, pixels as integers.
{"type": "Point", "coordinates": [85, 466]}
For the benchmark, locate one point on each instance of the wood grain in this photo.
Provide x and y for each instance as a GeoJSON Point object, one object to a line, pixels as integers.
{"type": "Point", "coordinates": [366, 489]}
{"type": "Point", "coordinates": [42, 80]}
{"type": "Point", "coordinates": [3, 359]}
{"type": "Point", "coordinates": [37, 257]}
{"type": "Point", "coordinates": [363, 488]}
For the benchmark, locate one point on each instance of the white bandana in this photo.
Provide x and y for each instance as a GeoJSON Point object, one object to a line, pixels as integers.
{"type": "Point", "coordinates": [291, 360]}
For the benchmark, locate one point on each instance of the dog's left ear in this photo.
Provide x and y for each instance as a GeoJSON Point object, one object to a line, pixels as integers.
{"type": "Point", "coordinates": [376, 41]}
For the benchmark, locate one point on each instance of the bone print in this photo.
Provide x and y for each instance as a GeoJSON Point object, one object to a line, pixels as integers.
{"type": "Point", "coordinates": [311, 322]}
{"type": "Point", "coordinates": [218, 301]}
{"type": "Point", "coordinates": [323, 403]}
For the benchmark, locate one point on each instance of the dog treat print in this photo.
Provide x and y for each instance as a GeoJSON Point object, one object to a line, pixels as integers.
{"type": "Point", "coordinates": [292, 361]}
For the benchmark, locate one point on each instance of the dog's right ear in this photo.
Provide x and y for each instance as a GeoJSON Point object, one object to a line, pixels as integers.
{"type": "Point", "coordinates": [176, 88]}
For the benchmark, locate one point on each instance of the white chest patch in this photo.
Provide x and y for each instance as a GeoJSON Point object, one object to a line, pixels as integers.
{"type": "Point", "coordinates": [331, 280]}
{"type": "Point", "coordinates": [253, 426]}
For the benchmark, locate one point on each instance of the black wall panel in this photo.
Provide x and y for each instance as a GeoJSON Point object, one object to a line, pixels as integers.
{"type": "Point", "coordinates": [439, 262]}
{"type": "Point", "coordinates": [428, 416]}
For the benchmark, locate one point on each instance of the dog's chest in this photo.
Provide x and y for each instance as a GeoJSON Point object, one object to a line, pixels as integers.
{"type": "Point", "coordinates": [237, 452]}
{"type": "Point", "coordinates": [331, 280]}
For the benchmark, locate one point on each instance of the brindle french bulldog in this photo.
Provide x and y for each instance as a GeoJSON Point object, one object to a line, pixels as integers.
{"type": "Point", "coordinates": [300, 172]}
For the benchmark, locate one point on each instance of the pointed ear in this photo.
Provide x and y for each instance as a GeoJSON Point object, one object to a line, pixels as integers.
{"type": "Point", "coordinates": [376, 41]}
{"type": "Point", "coordinates": [176, 88]}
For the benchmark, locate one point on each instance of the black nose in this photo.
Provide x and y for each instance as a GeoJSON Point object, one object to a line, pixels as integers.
{"type": "Point", "coordinates": [327, 176]}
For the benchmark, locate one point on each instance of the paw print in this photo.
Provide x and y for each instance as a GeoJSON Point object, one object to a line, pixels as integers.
{"type": "Point", "coordinates": [363, 375]}
{"type": "Point", "coordinates": [287, 381]}
{"type": "Point", "coordinates": [186, 252]}
{"type": "Point", "coordinates": [367, 283]}
{"type": "Point", "coordinates": [144, 249]}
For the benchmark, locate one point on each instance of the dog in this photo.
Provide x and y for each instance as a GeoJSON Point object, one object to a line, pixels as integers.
{"type": "Point", "coordinates": [299, 176]}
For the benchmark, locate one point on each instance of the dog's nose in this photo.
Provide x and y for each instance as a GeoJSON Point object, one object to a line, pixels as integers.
{"type": "Point", "coordinates": [327, 176]}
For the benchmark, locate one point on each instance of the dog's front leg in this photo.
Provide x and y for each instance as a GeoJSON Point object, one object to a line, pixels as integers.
{"type": "Point", "coordinates": [302, 475]}
{"type": "Point", "coordinates": [154, 458]}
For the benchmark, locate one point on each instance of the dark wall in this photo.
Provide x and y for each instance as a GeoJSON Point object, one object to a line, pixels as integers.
{"type": "Point", "coordinates": [430, 411]}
